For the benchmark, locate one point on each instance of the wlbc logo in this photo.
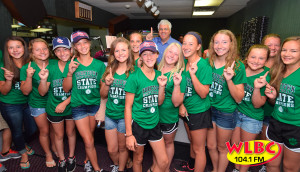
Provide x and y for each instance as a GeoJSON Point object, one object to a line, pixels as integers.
{"type": "Point", "coordinates": [255, 152]}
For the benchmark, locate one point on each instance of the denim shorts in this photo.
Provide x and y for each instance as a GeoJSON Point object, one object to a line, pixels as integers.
{"type": "Point", "coordinates": [224, 120]}
{"type": "Point", "coordinates": [119, 124]}
{"type": "Point", "coordinates": [248, 124]}
{"type": "Point", "coordinates": [83, 111]}
{"type": "Point", "coordinates": [35, 112]}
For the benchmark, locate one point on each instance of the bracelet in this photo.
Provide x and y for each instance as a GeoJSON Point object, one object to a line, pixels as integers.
{"type": "Point", "coordinates": [128, 135]}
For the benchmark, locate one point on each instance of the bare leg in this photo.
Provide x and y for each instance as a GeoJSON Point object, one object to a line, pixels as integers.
{"type": "Point", "coordinates": [212, 146]}
{"type": "Point", "coordinates": [71, 133]}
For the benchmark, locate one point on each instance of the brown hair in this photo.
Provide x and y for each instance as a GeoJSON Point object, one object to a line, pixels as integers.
{"type": "Point", "coordinates": [232, 53]}
{"type": "Point", "coordinates": [256, 46]}
{"type": "Point", "coordinates": [31, 47]}
{"type": "Point", "coordinates": [271, 35]}
{"type": "Point", "coordinates": [279, 68]}
{"type": "Point", "coordinates": [8, 60]}
{"type": "Point", "coordinates": [136, 32]}
{"type": "Point", "coordinates": [113, 63]}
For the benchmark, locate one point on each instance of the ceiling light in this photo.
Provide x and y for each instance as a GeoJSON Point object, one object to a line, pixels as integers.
{"type": "Point", "coordinates": [153, 9]}
{"type": "Point", "coordinates": [15, 26]}
{"type": "Point", "coordinates": [203, 3]}
{"type": "Point", "coordinates": [156, 13]}
{"type": "Point", "coordinates": [203, 13]}
{"type": "Point", "coordinates": [41, 30]}
{"type": "Point", "coordinates": [148, 4]}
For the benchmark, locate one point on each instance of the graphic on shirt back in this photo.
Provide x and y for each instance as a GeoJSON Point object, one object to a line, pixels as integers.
{"type": "Point", "coordinates": [150, 98]}
{"type": "Point", "coordinates": [58, 90]}
{"type": "Point", "coordinates": [286, 98]}
{"type": "Point", "coordinates": [216, 86]}
{"type": "Point", "coordinates": [116, 90]}
{"type": "Point", "coordinates": [86, 80]}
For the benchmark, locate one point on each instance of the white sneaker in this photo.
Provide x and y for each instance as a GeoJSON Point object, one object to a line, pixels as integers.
{"type": "Point", "coordinates": [115, 168]}
{"type": "Point", "coordinates": [263, 168]}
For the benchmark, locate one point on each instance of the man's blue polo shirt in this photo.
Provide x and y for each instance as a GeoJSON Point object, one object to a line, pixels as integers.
{"type": "Point", "coordinates": [161, 47]}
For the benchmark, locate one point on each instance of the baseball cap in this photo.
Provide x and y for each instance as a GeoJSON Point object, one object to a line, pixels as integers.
{"type": "Point", "coordinates": [78, 35]}
{"type": "Point", "coordinates": [148, 45]}
{"type": "Point", "coordinates": [61, 42]}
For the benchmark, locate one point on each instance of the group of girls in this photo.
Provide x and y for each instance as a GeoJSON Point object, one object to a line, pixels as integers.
{"type": "Point", "coordinates": [220, 98]}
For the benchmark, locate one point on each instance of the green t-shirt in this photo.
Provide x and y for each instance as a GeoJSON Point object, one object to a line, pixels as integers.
{"type": "Point", "coordinates": [268, 108]}
{"type": "Point", "coordinates": [1, 57]}
{"type": "Point", "coordinates": [246, 106]}
{"type": "Point", "coordinates": [35, 99]}
{"type": "Point", "coordinates": [115, 104]}
{"type": "Point", "coordinates": [219, 94]}
{"type": "Point", "coordinates": [193, 102]}
{"type": "Point", "coordinates": [287, 106]}
{"type": "Point", "coordinates": [145, 105]}
{"type": "Point", "coordinates": [56, 92]}
{"type": "Point", "coordinates": [136, 62]}
{"type": "Point", "coordinates": [168, 113]}
{"type": "Point", "coordinates": [15, 95]}
{"type": "Point", "coordinates": [86, 83]}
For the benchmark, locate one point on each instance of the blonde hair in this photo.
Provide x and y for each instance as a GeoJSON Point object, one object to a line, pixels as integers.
{"type": "Point", "coordinates": [179, 64]}
{"type": "Point", "coordinates": [232, 53]}
{"type": "Point", "coordinates": [256, 46]}
{"type": "Point", "coordinates": [113, 63]}
{"type": "Point", "coordinates": [30, 47]}
{"type": "Point", "coordinates": [279, 68]}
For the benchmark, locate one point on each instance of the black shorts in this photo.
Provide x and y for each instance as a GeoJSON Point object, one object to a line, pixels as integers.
{"type": "Point", "coordinates": [168, 128]}
{"type": "Point", "coordinates": [58, 119]}
{"type": "Point", "coordinates": [286, 134]}
{"type": "Point", "coordinates": [142, 135]}
{"type": "Point", "coordinates": [199, 120]}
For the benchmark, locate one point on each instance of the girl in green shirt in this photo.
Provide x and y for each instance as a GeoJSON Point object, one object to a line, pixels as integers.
{"type": "Point", "coordinates": [120, 64]}
{"type": "Point", "coordinates": [226, 90]}
{"type": "Point", "coordinates": [171, 66]}
{"type": "Point", "coordinates": [135, 39]}
{"type": "Point", "coordinates": [58, 105]}
{"type": "Point", "coordinates": [144, 92]}
{"type": "Point", "coordinates": [30, 78]}
{"type": "Point", "coordinates": [250, 111]}
{"type": "Point", "coordinates": [284, 92]}
{"type": "Point", "coordinates": [83, 76]}
{"type": "Point", "coordinates": [13, 103]}
{"type": "Point", "coordinates": [195, 109]}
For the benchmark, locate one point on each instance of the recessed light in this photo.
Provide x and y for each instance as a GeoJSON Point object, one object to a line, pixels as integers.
{"type": "Point", "coordinates": [204, 3]}
{"type": "Point", "coordinates": [203, 13]}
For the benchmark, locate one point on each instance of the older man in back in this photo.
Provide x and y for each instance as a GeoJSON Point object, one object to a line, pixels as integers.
{"type": "Point", "coordinates": [164, 39]}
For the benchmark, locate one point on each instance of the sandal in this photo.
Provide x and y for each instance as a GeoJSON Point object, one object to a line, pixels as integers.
{"type": "Point", "coordinates": [24, 165]}
{"type": "Point", "coordinates": [50, 164]}
{"type": "Point", "coordinates": [129, 163]}
{"type": "Point", "coordinates": [30, 151]}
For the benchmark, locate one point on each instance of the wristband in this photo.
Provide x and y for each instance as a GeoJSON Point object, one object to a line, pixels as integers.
{"type": "Point", "coordinates": [128, 135]}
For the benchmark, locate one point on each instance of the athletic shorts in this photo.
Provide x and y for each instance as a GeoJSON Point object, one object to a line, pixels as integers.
{"type": "Point", "coordinates": [58, 119]}
{"type": "Point", "coordinates": [142, 135]}
{"type": "Point", "coordinates": [199, 120]}
{"type": "Point", "coordinates": [286, 134]}
{"type": "Point", "coordinates": [168, 128]}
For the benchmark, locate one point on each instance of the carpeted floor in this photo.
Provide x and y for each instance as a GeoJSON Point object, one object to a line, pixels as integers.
{"type": "Point", "coordinates": [37, 161]}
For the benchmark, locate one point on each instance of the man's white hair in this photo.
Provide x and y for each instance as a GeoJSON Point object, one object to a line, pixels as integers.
{"type": "Point", "coordinates": [164, 22]}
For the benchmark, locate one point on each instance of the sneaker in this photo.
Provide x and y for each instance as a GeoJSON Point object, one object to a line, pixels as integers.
{"type": "Point", "coordinates": [184, 167]}
{"type": "Point", "coordinates": [115, 168]}
{"type": "Point", "coordinates": [235, 170]}
{"type": "Point", "coordinates": [2, 168]}
{"type": "Point", "coordinates": [263, 168]}
{"type": "Point", "coordinates": [71, 164]}
{"type": "Point", "coordinates": [88, 166]}
{"type": "Point", "coordinates": [62, 166]}
{"type": "Point", "coordinates": [10, 155]}
{"type": "Point", "coordinates": [101, 170]}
